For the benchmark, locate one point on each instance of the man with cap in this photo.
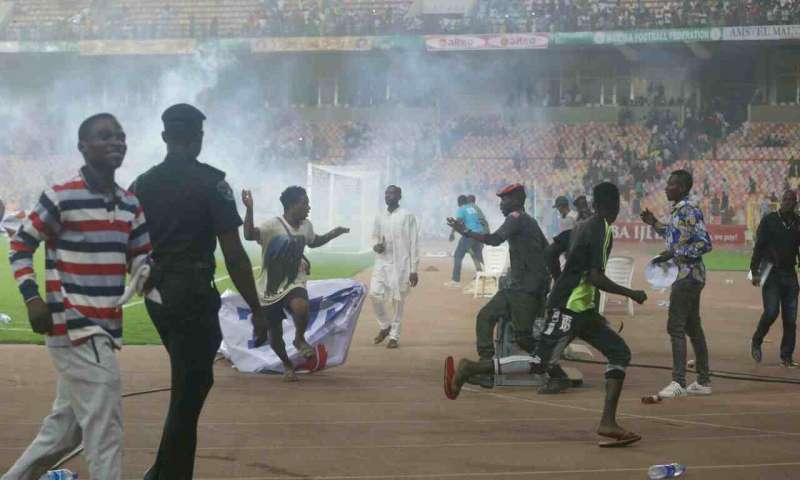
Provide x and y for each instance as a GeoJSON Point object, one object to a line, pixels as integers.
{"type": "Point", "coordinates": [566, 219]}
{"type": "Point", "coordinates": [522, 298]}
{"type": "Point", "coordinates": [572, 313]}
{"type": "Point", "coordinates": [191, 207]}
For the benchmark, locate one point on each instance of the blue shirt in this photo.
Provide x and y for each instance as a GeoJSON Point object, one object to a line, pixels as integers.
{"type": "Point", "coordinates": [687, 239]}
{"type": "Point", "coordinates": [471, 218]}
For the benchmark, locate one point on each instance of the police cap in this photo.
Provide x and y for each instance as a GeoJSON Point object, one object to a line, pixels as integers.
{"type": "Point", "coordinates": [182, 119]}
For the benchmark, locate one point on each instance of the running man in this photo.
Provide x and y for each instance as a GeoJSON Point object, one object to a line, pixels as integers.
{"type": "Point", "coordinates": [572, 313]}
{"type": "Point", "coordinates": [285, 269]}
{"type": "Point", "coordinates": [472, 219]}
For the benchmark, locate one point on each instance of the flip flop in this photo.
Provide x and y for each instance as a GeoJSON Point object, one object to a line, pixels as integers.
{"type": "Point", "coordinates": [626, 438]}
{"type": "Point", "coordinates": [449, 373]}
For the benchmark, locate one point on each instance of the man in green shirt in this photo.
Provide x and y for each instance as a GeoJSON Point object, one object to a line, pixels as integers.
{"type": "Point", "coordinates": [572, 313]}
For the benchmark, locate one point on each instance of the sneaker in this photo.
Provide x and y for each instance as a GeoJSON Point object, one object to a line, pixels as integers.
{"type": "Point", "coordinates": [697, 389]}
{"type": "Point", "coordinates": [789, 363]}
{"type": "Point", "coordinates": [392, 343]}
{"type": "Point", "coordinates": [672, 390]}
{"type": "Point", "coordinates": [755, 352]}
{"type": "Point", "coordinates": [381, 336]}
{"type": "Point", "coordinates": [452, 284]}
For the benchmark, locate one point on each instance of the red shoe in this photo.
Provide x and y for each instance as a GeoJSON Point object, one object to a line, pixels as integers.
{"type": "Point", "coordinates": [449, 373]}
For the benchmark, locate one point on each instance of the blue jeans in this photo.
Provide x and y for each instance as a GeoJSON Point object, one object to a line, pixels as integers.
{"type": "Point", "coordinates": [466, 245]}
{"type": "Point", "coordinates": [779, 294]}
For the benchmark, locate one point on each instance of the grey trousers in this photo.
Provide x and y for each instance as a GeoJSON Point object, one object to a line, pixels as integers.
{"type": "Point", "coordinates": [87, 408]}
{"type": "Point", "coordinates": [683, 321]}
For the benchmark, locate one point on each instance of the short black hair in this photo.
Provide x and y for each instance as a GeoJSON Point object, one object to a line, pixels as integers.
{"type": "Point", "coordinates": [684, 177]}
{"type": "Point", "coordinates": [400, 190]}
{"type": "Point", "coordinates": [462, 199]}
{"type": "Point", "coordinates": [471, 198]}
{"type": "Point", "coordinates": [292, 195]}
{"type": "Point", "coordinates": [86, 125]}
{"type": "Point", "coordinates": [606, 194]}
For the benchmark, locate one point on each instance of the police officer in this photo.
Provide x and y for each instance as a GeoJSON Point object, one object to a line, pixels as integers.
{"type": "Point", "coordinates": [189, 205]}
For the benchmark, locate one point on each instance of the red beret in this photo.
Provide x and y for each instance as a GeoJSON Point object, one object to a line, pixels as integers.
{"type": "Point", "coordinates": [510, 188]}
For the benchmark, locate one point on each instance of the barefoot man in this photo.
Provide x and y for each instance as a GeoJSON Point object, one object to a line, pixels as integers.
{"type": "Point", "coordinates": [284, 269]}
{"type": "Point", "coordinates": [572, 313]}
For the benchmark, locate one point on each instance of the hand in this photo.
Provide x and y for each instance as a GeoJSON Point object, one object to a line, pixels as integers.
{"type": "Point", "coordinates": [380, 247]}
{"type": "Point", "coordinates": [413, 279]}
{"type": "Point", "coordinates": [662, 257]}
{"type": "Point", "coordinates": [456, 225]}
{"type": "Point", "coordinates": [638, 296]}
{"type": "Point", "coordinates": [340, 231]}
{"type": "Point", "coordinates": [247, 198]}
{"type": "Point", "coordinates": [648, 217]}
{"type": "Point", "coordinates": [260, 328]}
{"type": "Point", "coordinates": [39, 316]}
{"type": "Point", "coordinates": [756, 280]}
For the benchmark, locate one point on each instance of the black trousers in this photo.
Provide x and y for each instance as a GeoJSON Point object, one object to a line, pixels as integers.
{"type": "Point", "coordinates": [188, 324]}
{"type": "Point", "coordinates": [779, 295]}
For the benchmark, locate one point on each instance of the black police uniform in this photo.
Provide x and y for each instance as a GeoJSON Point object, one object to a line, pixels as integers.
{"type": "Point", "coordinates": [187, 204]}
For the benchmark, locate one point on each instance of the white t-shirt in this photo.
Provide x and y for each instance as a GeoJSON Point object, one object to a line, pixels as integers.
{"type": "Point", "coordinates": [275, 244]}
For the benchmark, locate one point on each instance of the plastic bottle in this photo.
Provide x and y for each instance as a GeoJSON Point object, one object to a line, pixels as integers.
{"type": "Point", "coordinates": [5, 318]}
{"type": "Point", "coordinates": [671, 470]}
{"type": "Point", "coordinates": [62, 474]}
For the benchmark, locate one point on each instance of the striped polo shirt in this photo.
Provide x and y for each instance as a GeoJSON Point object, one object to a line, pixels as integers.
{"type": "Point", "coordinates": [91, 238]}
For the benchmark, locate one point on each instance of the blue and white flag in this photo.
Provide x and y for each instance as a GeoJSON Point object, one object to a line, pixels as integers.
{"type": "Point", "coordinates": [334, 307]}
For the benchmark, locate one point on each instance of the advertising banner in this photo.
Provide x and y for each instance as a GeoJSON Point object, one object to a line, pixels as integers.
{"type": "Point", "coordinates": [762, 32]}
{"type": "Point", "coordinates": [500, 41]}
{"type": "Point", "coordinates": [137, 47]}
{"type": "Point", "coordinates": [309, 44]}
{"type": "Point", "coordinates": [639, 232]}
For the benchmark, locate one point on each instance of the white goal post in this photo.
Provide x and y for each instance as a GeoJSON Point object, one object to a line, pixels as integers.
{"type": "Point", "coordinates": [347, 196]}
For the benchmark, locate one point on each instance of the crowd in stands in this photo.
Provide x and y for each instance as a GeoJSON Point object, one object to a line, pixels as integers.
{"type": "Point", "coordinates": [82, 19]}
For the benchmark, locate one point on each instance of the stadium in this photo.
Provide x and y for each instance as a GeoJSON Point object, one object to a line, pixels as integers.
{"type": "Point", "coordinates": [442, 98]}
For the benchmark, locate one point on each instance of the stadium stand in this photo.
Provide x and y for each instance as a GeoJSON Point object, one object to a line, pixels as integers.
{"type": "Point", "coordinates": [70, 19]}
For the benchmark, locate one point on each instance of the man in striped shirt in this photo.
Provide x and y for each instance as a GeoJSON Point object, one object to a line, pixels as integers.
{"type": "Point", "coordinates": [94, 231]}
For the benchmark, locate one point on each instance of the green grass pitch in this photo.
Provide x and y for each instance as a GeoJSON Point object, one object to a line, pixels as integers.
{"type": "Point", "coordinates": [138, 330]}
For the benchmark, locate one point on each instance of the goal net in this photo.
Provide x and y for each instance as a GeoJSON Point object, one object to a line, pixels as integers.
{"type": "Point", "coordinates": [347, 196]}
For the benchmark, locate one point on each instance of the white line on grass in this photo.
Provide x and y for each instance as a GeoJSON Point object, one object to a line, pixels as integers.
{"type": "Point", "coordinates": [139, 302]}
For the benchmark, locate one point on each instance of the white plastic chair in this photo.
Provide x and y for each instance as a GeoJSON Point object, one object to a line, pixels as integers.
{"type": "Point", "coordinates": [620, 271]}
{"type": "Point", "coordinates": [494, 263]}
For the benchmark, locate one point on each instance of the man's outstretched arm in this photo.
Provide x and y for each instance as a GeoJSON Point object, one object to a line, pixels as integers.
{"type": "Point", "coordinates": [598, 278]}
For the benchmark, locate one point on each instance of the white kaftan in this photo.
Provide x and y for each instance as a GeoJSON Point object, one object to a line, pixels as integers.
{"type": "Point", "coordinates": [399, 232]}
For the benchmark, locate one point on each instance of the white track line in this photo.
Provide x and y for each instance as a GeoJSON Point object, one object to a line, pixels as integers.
{"type": "Point", "coordinates": [428, 446]}
{"type": "Point", "coordinates": [644, 417]}
{"type": "Point", "coordinates": [139, 302]}
{"type": "Point", "coordinates": [506, 474]}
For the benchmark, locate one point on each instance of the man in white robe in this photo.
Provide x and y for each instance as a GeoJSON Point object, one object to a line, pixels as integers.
{"type": "Point", "coordinates": [396, 237]}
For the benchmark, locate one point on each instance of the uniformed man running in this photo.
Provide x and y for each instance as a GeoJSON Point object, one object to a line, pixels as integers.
{"type": "Point", "coordinates": [191, 206]}
{"type": "Point", "coordinates": [522, 299]}
{"type": "Point", "coordinates": [572, 313]}
{"type": "Point", "coordinates": [284, 269]}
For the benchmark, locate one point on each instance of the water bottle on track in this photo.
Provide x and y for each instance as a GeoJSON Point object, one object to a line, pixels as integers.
{"type": "Point", "coordinates": [62, 474]}
{"type": "Point", "coordinates": [671, 470]}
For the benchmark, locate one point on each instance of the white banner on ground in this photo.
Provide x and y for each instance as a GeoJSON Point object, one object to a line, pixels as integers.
{"type": "Point", "coordinates": [334, 307]}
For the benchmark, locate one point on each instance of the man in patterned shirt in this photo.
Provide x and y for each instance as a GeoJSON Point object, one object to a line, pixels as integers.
{"type": "Point", "coordinates": [687, 242]}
